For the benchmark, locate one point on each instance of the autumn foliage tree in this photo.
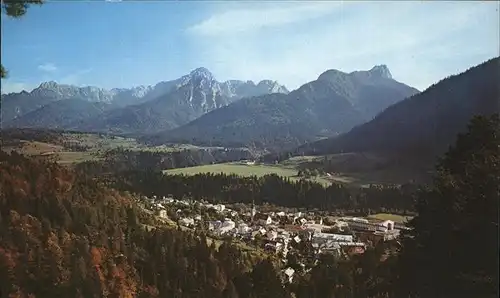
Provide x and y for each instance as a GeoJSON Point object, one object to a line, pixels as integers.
{"type": "Point", "coordinates": [64, 235]}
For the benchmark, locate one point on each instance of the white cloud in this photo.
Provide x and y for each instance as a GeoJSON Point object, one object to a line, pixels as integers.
{"type": "Point", "coordinates": [241, 20]}
{"type": "Point", "coordinates": [47, 67]}
{"type": "Point", "coordinates": [417, 40]}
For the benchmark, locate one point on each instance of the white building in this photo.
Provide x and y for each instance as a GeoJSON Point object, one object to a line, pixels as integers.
{"type": "Point", "coordinates": [168, 200]}
{"type": "Point", "coordinates": [226, 226]}
{"type": "Point", "coordinates": [340, 224]}
{"type": "Point", "coordinates": [219, 207]}
{"type": "Point", "coordinates": [272, 235]}
{"type": "Point", "coordinates": [333, 237]}
{"type": "Point", "coordinates": [285, 234]}
{"type": "Point", "coordinates": [214, 225]}
{"type": "Point", "coordinates": [274, 247]}
{"type": "Point", "coordinates": [265, 221]}
{"type": "Point", "coordinates": [243, 228]}
{"type": "Point", "coordinates": [162, 213]}
{"type": "Point", "coordinates": [187, 222]}
{"type": "Point", "coordinates": [365, 225]}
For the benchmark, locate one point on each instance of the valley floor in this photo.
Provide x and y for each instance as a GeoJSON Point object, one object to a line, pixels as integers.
{"type": "Point", "coordinates": [246, 170]}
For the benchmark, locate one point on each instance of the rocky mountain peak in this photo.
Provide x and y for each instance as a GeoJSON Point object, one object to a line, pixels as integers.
{"type": "Point", "coordinates": [272, 86]}
{"type": "Point", "coordinates": [48, 84]}
{"type": "Point", "coordinates": [202, 73]}
{"type": "Point", "coordinates": [381, 71]}
{"type": "Point", "coordinates": [267, 82]}
{"type": "Point", "coordinates": [330, 75]}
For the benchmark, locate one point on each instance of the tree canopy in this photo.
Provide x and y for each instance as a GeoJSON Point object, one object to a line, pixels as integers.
{"type": "Point", "coordinates": [453, 248]}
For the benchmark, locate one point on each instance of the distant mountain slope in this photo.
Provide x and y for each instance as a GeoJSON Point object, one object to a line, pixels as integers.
{"type": "Point", "coordinates": [59, 114]}
{"type": "Point", "coordinates": [427, 123]}
{"type": "Point", "coordinates": [194, 95]}
{"type": "Point", "coordinates": [18, 104]}
{"type": "Point", "coordinates": [187, 102]}
{"type": "Point", "coordinates": [332, 104]}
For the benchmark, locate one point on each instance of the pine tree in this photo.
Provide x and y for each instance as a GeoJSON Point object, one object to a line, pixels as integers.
{"type": "Point", "coordinates": [452, 250]}
{"type": "Point", "coordinates": [230, 291]}
{"type": "Point", "coordinates": [266, 283]}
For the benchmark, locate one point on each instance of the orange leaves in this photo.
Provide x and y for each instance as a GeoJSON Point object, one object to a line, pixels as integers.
{"type": "Point", "coordinates": [8, 258]}
{"type": "Point", "coordinates": [96, 256]}
{"type": "Point", "coordinates": [123, 285]}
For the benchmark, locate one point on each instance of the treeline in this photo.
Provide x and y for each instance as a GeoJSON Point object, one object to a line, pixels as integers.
{"type": "Point", "coordinates": [121, 160]}
{"type": "Point", "coordinates": [271, 189]}
{"type": "Point", "coordinates": [31, 134]}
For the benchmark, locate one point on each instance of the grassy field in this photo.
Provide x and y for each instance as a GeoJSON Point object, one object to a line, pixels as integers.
{"type": "Point", "coordinates": [359, 169]}
{"type": "Point", "coordinates": [34, 148]}
{"type": "Point", "coordinates": [96, 145]}
{"type": "Point", "coordinates": [242, 170]}
{"type": "Point", "coordinates": [67, 157]}
{"type": "Point", "coordinates": [388, 216]}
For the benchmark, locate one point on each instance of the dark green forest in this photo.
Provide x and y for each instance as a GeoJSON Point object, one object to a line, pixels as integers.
{"type": "Point", "coordinates": [271, 189]}
{"type": "Point", "coordinates": [67, 234]}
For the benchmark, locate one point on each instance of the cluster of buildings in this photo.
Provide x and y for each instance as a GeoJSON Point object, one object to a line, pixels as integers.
{"type": "Point", "coordinates": [280, 232]}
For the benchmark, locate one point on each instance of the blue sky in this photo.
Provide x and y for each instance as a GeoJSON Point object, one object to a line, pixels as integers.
{"type": "Point", "coordinates": [130, 43]}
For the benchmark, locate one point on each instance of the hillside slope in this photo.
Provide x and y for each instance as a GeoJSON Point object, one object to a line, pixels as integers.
{"type": "Point", "coordinates": [59, 114]}
{"type": "Point", "coordinates": [425, 124]}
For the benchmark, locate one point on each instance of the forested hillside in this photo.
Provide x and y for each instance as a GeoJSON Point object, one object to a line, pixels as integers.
{"type": "Point", "coordinates": [272, 189]}
{"type": "Point", "coordinates": [60, 114]}
{"type": "Point", "coordinates": [63, 234]}
{"type": "Point", "coordinates": [331, 104]}
{"type": "Point", "coordinates": [424, 125]}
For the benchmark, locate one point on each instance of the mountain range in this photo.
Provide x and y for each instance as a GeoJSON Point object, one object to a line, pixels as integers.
{"type": "Point", "coordinates": [192, 96]}
{"type": "Point", "coordinates": [16, 105]}
{"type": "Point", "coordinates": [139, 109]}
{"type": "Point", "coordinates": [329, 105]}
{"type": "Point", "coordinates": [425, 124]}
{"type": "Point", "coordinates": [361, 111]}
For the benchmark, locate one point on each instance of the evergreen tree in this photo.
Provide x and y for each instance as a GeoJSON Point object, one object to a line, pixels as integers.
{"type": "Point", "coordinates": [452, 250]}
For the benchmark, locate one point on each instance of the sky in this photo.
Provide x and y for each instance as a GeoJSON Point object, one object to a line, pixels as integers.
{"type": "Point", "coordinates": [121, 44]}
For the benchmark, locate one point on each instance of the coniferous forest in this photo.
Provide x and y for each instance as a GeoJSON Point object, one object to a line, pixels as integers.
{"type": "Point", "coordinates": [65, 233]}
